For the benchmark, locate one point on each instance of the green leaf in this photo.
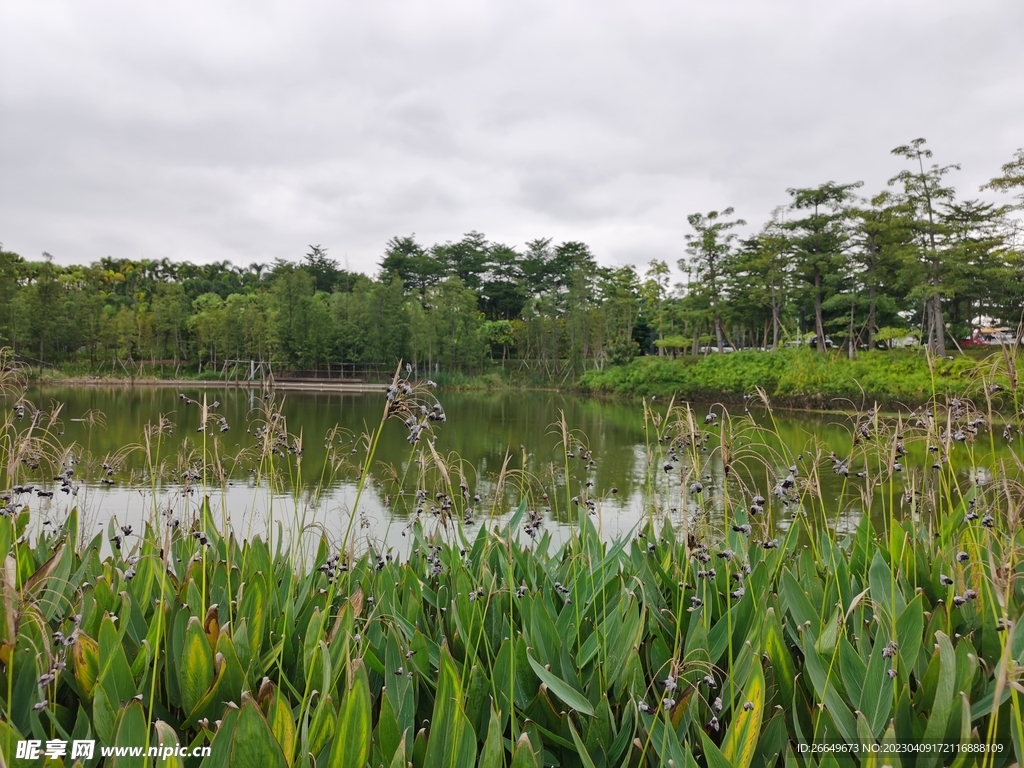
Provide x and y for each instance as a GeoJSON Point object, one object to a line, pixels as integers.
{"type": "Point", "coordinates": [229, 679]}
{"type": "Point", "coordinates": [452, 742]}
{"type": "Point", "coordinates": [167, 738]}
{"type": "Point", "coordinates": [740, 740]}
{"type": "Point", "coordinates": [195, 669]}
{"type": "Point", "coordinates": [713, 755]}
{"type": "Point", "coordinates": [581, 748]}
{"type": "Point", "coordinates": [523, 756]}
{"type": "Point", "coordinates": [826, 642]}
{"type": "Point", "coordinates": [493, 751]}
{"type": "Point", "coordinates": [562, 689]}
{"type": "Point", "coordinates": [351, 748]}
{"type": "Point", "coordinates": [254, 609]}
{"type": "Point", "coordinates": [774, 642]}
{"type": "Point", "coordinates": [131, 732]}
{"type": "Point", "coordinates": [909, 634]}
{"type": "Point", "coordinates": [794, 598]}
{"type": "Point", "coordinates": [942, 705]}
{"type": "Point", "coordinates": [86, 656]}
{"type": "Point", "coordinates": [253, 744]}
{"type": "Point", "coordinates": [281, 721]}
{"type": "Point", "coordinates": [399, 760]}
{"type": "Point", "coordinates": [322, 725]}
{"type": "Point", "coordinates": [876, 695]}
{"type": "Point", "coordinates": [825, 681]}
{"type": "Point", "coordinates": [853, 669]}
{"type": "Point", "coordinates": [880, 579]}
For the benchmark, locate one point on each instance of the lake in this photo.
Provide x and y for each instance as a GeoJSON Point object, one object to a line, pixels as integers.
{"type": "Point", "coordinates": [293, 462]}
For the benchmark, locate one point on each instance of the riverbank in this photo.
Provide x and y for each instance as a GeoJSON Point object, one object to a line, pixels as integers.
{"type": "Point", "coordinates": [793, 378]}
{"type": "Point", "coordinates": [806, 379]}
{"type": "Point", "coordinates": [312, 385]}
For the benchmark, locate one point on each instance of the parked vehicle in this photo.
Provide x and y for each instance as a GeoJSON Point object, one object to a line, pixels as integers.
{"type": "Point", "coordinates": [811, 340]}
{"type": "Point", "coordinates": [991, 336]}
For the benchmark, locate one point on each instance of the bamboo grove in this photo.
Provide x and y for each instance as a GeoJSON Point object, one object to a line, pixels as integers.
{"type": "Point", "coordinates": [917, 258]}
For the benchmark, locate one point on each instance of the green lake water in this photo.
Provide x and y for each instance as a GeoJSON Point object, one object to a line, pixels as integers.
{"type": "Point", "coordinates": [102, 430]}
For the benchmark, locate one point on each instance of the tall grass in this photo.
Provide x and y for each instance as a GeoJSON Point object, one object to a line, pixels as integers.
{"type": "Point", "coordinates": [741, 623]}
{"type": "Point", "coordinates": [795, 376]}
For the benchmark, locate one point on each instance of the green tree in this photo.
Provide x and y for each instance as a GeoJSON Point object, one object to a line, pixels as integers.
{"type": "Point", "coordinates": [1011, 178]}
{"type": "Point", "coordinates": [408, 261]}
{"type": "Point", "coordinates": [10, 268]}
{"type": "Point", "coordinates": [170, 309]}
{"type": "Point", "coordinates": [653, 295]}
{"type": "Point", "coordinates": [818, 241]}
{"type": "Point", "coordinates": [884, 245]}
{"type": "Point", "coordinates": [711, 253]}
{"type": "Point", "coordinates": [923, 191]}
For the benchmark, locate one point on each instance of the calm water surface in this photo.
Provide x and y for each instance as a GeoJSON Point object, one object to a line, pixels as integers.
{"type": "Point", "coordinates": [623, 477]}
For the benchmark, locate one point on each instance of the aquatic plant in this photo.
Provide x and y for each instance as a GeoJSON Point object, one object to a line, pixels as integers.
{"type": "Point", "coordinates": [743, 639]}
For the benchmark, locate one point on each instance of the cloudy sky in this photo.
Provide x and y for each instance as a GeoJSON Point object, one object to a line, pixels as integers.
{"type": "Point", "coordinates": [248, 130]}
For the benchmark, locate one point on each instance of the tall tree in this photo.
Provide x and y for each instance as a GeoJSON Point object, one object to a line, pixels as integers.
{"type": "Point", "coordinates": [924, 191]}
{"type": "Point", "coordinates": [818, 242]}
{"type": "Point", "coordinates": [884, 244]}
{"type": "Point", "coordinates": [325, 271]}
{"type": "Point", "coordinates": [653, 294]}
{"type": "Point", "coordinates": [759, 282]}
{"type": "Point", "coordinates": [1011, 178]}
{"type": "Point", "coordinates": [468, 259]}
{"type": "Point", "coordinates": [409, 262]}
{"type": "Point", "coordinates": [711, 253]}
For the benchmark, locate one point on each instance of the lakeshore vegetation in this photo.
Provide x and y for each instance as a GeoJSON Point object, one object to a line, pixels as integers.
{"type": "Point", "coordinates": [915, 261]}
{"type": "Point", "coordinates": [768, 636]}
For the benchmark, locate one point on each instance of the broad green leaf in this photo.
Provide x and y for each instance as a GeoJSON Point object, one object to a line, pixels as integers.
{"type": "Point", "coordinates": [740, 742]}
{"type": "Point", "coordinates": [876, 695]}
{"type": "Point", "coordinates": [252, 743]}
{"type": "Point", "coordinates": [825, 680]}
{"type": "Point", "coordinates": [826, 642]}
{"type": "Point", "coordinates": [492, 754]}
{"type": "Point", "coordinates": [942, 705]}
{"type": "Point", "coordinates": [86, 655]}
{"type": "Point", "coordinates": [853, 669]}
{"type": "Point", "coordinates": [131, 732]}
{"type": "Point", "coordinates": [254, 608]}
{"type": "Point", "coordinates": [712, 754]}
{"type": "Point", "coordinates": [351, 748]}
{"type": "Point", "coordinates": [581, 749]}
{"type": "Point", "coordinates": [399, 760]}
{"type": "Point", "coordinates": [779, 655]}
{"type": "Point", "coordinates": [195, 668]}
{"type": "Point", "coordinates": [452, 742]}
{"type": "Point", "coordinates": [166, 738]}
{"type": "Point", "coordinates": [322, 725]}
{"type": "Point", "coordinates": [562, 689]}
{"type": "Point", "coordinates": [523, 756]}
{"type": "Point", "coordinates": [794, 597]}
{"type": "Point", "coordinates": [281, 721]}
{"type": "Point", "coordinates": [880, 580]}
{"type": "Point", "coordinates": [909, 634]}
{"type": "Point", "coordinates": [115, 675]}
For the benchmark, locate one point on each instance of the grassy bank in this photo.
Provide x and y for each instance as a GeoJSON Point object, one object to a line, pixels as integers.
{"type": "Point", "coordinates": [801, 376]}
{"type": "Point", "coordinates": [791, 377]}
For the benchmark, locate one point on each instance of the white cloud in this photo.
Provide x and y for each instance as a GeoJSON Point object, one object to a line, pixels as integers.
{"type": "Point", "coordinates": [245, 131]}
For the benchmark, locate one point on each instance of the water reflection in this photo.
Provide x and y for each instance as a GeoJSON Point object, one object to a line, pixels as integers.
{"type": "Point", "coordinates": [495, 444]}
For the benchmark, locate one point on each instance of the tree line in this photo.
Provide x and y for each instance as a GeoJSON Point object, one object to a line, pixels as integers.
{"type": "Point", "coordinates": [914, 259]}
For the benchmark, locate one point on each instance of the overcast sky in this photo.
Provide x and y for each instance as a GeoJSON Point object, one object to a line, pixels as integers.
{"type": "Point", "coordinates": [248, 130]}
